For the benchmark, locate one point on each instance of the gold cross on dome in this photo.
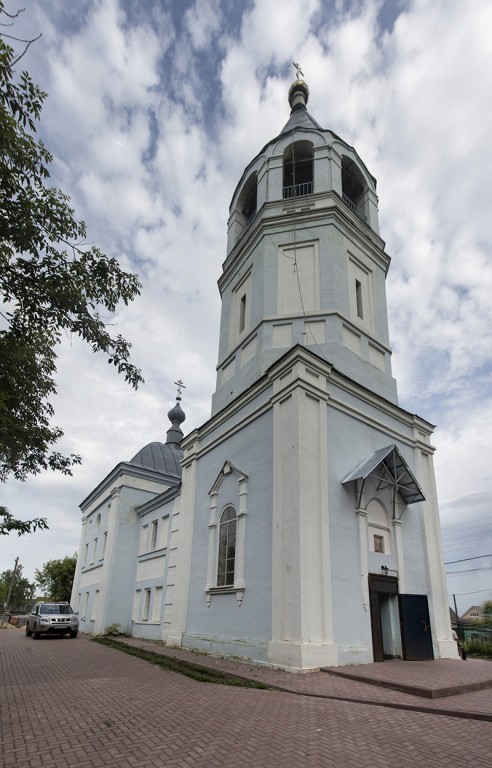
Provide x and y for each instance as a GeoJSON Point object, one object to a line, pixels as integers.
{"type": "Point", "coordinates": [299, 72]}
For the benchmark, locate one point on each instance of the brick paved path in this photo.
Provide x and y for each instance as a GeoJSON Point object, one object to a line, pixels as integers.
{"type": "Point", "coordinates": [68, 703]}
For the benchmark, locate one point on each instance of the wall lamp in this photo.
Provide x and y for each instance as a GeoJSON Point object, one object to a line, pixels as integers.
{"type": "Point", "coordinates": [387, 570]}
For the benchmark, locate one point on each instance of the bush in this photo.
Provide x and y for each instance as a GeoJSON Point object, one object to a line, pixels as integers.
{"type": "Point", "coordinates": [481, 648]}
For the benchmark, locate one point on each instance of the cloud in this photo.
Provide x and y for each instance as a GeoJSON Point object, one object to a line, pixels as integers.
{"type": "Point", "coordinates": [203, 22]}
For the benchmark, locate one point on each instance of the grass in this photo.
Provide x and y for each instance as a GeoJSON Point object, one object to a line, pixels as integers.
{"type": "Point", "coordinates": [187, 668]}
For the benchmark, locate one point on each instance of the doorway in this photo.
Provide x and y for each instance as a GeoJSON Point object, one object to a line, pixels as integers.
{"type": "Point", "coordinates": [385, 617]}
{"type": "Point", "coordinates": [400, 624]}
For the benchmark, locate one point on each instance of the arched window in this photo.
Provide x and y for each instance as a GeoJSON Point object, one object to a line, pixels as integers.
{"type": "Point", "coordinates": [227, 547]}
{"type": "Point", "coordinates": [298, 169]}
{"type": "Point", "coordinates": [248, 199]}
{"type": "Point", "coordinates": [353, 187]}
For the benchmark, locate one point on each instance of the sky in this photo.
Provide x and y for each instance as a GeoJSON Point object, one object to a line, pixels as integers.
{"type": "Point", "coordinates": [155, 108]}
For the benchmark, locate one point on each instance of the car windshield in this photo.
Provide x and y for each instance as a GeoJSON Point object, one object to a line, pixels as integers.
{"type": "Point", "coordinates": [56, 609]}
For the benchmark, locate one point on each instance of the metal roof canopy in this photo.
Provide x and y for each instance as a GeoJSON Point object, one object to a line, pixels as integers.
{"type": "Point", "coordinates": [390, 469]}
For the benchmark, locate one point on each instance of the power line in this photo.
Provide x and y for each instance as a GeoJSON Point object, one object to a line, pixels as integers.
{"type": "Point", "coordinates": [476, 592]}
{"type": "Point", "coordinates": [466, 524]}
{"type": "Point", "coordinates": [465, 559]}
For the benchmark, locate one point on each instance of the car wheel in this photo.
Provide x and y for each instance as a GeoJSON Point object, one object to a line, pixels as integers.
{"type": "Point", "coordinates": [35, 634]}
{"type": "Point", "coordinates": [74, 633]}
{"type": "Point", "coordinates": [28, 631]}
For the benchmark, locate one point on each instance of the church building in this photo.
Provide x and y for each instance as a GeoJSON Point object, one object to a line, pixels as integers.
{"type": "Point", "coordinates": [299, 526]}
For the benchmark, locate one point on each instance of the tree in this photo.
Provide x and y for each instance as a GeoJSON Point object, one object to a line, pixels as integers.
{"type": "Point", "coordinates": [487, 613]}
{"type": "Point", "coordinates": [21, 591]}
{"type": "Point", "coordinates": [8, 523]}
{"type": "Point", "coordinates": [51, 283]}
{"type": "Point", "coordinates": [56, 578]}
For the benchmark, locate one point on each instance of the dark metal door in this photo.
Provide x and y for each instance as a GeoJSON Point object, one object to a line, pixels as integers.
{"type": "Point", "coordinates": [416, 632]}
{"type": "Point", "coordinates": [377, 637]}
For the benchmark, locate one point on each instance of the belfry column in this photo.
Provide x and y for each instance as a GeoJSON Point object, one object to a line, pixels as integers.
{"type": "Point", "coordinates": [438, 594]}
{"type": "Point", "coordinates": [302, 624]}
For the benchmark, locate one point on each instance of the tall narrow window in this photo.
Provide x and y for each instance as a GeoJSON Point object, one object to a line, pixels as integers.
{"type": "Point", "coordinates": [157, 605]}
{"type": "Point", "coordinates": [358, 299]}
{"type": "Point", "coordinates": [86, 555]}
{"type": "Point", "coordinates": [105, 541]}
{"type": "Point", "coordinates": [153, 534]}
{"type": "Point", "coordinates": [242, 313]}
{"type": "Point", "coordinates": [146, 605]}
{"type": "Point", "coordinates": [94, 550]}
{"type": "Point", "coordinates": [227, 547]}
{"type": "Point", "coordinates": [95, 605]}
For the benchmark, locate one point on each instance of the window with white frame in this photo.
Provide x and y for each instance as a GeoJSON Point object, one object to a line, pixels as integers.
{"type": "Point", "coordinates": [95, 605]}
{"type": "Point", "coordinates": [157, 604]}
{"type": "Point", "coordinates": [153, 534]}
{"type": "Point", "coordinates": [240, 319]}
{"type": "Point", "coordinates": [361, 293]}
{"type": "Point", "coordinates": [136, 605]}
{"type": "Point", "coordinates": [227, 534]}
{"type": "Point", "coordinates": [105, 541]}
{"type": "Point", "coordinates": [146, 604]}
{"type": "Point", "coordinates": [143, 538]}
{"type": "Point", "coordinates": [227, 547]}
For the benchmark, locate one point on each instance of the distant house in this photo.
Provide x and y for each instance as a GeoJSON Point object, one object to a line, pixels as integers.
{"type": "Point", "coordinates": [473, 613]}
{"type": "Point", "coordinates": [454, 618]}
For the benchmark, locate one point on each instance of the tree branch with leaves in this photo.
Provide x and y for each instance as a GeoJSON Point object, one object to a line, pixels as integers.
{"type": "Point", "coordinates": [51, 283]}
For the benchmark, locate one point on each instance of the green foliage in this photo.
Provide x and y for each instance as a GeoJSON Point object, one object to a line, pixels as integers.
{"type": "Point", "coordinates": [482, 648]}
{"type": "Point", "coordinates": [56, 578]}
{"type": "Point", "coordinates": [21, 594]}
{"type": "Point", "coordinates": [8, 524]}
{"type": "Point", "coordinates": [51, 284]}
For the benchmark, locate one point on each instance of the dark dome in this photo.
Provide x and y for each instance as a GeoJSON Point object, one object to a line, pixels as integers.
{"type": "Point", "coordinates": [161, 457]}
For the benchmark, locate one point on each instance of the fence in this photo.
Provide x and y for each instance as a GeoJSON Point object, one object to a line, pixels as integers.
{"type": "Point", "coordinates": [15, 620]}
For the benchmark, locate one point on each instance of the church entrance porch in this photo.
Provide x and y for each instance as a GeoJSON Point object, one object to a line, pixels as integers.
{"type": "Point", "coordinates": [400, 624]}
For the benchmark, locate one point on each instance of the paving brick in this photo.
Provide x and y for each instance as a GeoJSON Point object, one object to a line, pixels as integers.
{"type": "Point", "coordinates": [67, 703]}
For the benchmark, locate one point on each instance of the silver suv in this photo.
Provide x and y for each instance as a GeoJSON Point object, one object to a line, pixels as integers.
{"type": "Point", "coordinates": [52, 619]}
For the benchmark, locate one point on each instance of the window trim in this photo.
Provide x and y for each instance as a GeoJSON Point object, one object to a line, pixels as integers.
{"type": "Point", "coordinates": [238, 588]}
{"type": "Point", "coordinates": [229, 526]}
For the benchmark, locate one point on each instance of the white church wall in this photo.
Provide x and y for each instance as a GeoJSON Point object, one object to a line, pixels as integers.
{"type": "Point", "coordinates": [122, 568]}
{"type": "Point", "coordinates": [151, 580]}
{"type": "Point", "coordinates": [354, 433]}
{"type": "Point", "coordinates": [225, 624]}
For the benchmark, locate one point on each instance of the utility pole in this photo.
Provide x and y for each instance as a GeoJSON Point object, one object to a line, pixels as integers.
{"type": "Point", "coordinates": [12, 580]}
{"type": "Point", "coordinates": [456, 612]}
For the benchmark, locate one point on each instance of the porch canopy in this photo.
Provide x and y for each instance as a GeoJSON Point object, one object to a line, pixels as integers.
{"type": "Point", "coordinates": [389, 469]}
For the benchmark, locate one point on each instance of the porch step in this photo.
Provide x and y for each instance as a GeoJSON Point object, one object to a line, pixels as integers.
{"type": "Point", "coordinates": [428, 679]}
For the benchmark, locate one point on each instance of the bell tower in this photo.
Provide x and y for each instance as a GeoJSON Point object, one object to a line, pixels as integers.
{"type": "Point", "coordinates": [305, 263]}
{"type": "Point", "coordinates": [308, 511]}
